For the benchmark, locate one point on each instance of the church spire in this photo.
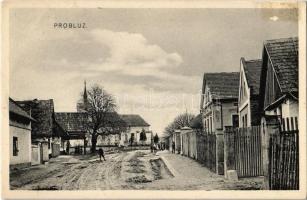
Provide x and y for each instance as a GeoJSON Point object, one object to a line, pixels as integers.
{"type": "Point", "coordinates": [85, 92]}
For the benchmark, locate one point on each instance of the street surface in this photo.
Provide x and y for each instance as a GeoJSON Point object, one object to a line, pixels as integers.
{"type": "Point", "coordinates": [124, 170]}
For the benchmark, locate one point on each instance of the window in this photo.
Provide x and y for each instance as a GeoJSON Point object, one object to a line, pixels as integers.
{"type": "Point", "coordinates": [245, 120]}
{"type": "Point", "coordinates": [235, 121]}
{"type": "Point", "coordinates": [15, 146]}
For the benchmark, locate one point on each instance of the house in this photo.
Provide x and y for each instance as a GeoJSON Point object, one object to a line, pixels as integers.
{"type": "Point", "coordinates": [74, 123]}
{"type": "Point", "coordinates": [219, 102]}
{"type": "Point", "coordinates": [135, 125]}
{"type": "Point", "coordinates": [46, 132]}
{"type": "Point", "coordinates": [279, 81]}
{"type": "Point", "coordinates": [248, 102]}
{"type": "Point", "coordinates": [20, 136]}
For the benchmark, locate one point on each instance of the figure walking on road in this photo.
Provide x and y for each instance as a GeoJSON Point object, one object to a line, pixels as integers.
{"type": "Point", "coordinates": [101, 154]}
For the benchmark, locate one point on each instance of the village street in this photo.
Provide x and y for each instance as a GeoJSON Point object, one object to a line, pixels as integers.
{"type": "Point", "coordinates": [124, 170]}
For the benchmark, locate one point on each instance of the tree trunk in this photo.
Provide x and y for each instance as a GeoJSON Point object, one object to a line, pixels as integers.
{"type": "Point", "coordinates": [94, 142]}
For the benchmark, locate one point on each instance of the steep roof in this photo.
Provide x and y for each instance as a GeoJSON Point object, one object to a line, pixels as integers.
{"type": "Point", "coordinates": [72, 121]}
{"type": "Point", "coordinates": [196, 123]}
{"type": "Point", "coordinates": [14, 108]}
{"type": "Point", "coordinates": [43, 112]}
{"type": "Point", "coordinates": [252, 70]}
{"type": "Point", "coordinates": [283, 54]}
{"type": "Point", "coordinates": [222, 85]}
{"type": "Point", "coordinates": [75, 122]}
{"type": "Point", "coordinates": [134, 120]}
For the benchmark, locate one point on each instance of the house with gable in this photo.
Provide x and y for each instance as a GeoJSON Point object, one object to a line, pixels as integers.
{"type": "Point", "coordinates": [74, 123]}
{"type": "Point", "coordinates": [248, 101]}
{"type": "Point", "coordinates": [219, 101]}
{"type": "Point", "coordinates": [219, 109]}
{"type": "Point", "coordinates": [135, 124]}
{"type": "Point", "coordinates": [279, 81]}
{"type": "Point", "coordinates": [20, 136]}
{"type": "Point", "coordinates": [46, 132]}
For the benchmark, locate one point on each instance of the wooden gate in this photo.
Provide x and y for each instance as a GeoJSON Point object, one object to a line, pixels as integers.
{"type": "Point", "coordinates": [206, 150]}
{"type": "Point", "coordinates": [201, 148]}
{"type": "Point", "coordinates": [247, 152]}
{"type": "Point", "coordinates": [211, 159]}
{"type": "Point", "coordinates": [284, 157]}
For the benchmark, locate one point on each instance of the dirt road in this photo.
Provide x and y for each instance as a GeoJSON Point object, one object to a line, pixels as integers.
{"type": "Point", "coordinates": [124, 170]}
{"type": "Point", "coordinates": [120, 171]}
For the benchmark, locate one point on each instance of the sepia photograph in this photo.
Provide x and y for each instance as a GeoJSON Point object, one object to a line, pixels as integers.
{"type": "Point", "coordinates": [140, 99]}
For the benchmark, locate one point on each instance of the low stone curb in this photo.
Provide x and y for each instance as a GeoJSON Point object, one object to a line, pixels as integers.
{"type": "Point", "coordinates": [169, 166]}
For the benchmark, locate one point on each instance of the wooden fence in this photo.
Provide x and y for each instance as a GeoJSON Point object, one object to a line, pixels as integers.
{"type": "Point", "coordinates": [245, 145]}
{"type": "Point", "coordinates": [284, 157]}
{"type": "Point", "coordinates": [206, 150]}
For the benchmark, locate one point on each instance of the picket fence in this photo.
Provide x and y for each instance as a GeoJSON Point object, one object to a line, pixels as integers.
{"type": "Point", "coordinates": [246, 150]}
{"type": "Point", "coordinates": [206, 150]}
{"type": "Point", "coordinates": [284, 157]}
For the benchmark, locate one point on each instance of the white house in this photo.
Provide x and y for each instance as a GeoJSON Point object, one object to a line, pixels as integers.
{"type": "Point", "coordinates": [135, 125]}
{"type": "Point", "coordinates": [248, 100]}
{"type": "Point", "coordinates": [20, 136]}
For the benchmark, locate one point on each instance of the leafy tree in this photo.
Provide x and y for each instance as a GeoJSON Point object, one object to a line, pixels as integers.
{"type": "Point", "coordinates": [156, 138]}
{"type": "Point", "coordinates": [143, 137]}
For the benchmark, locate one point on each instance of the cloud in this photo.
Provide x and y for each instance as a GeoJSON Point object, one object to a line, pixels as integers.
{"type": "Point", "coordinates": [274, 18]}
{"type": "Point", "coordinates": [131, 53]}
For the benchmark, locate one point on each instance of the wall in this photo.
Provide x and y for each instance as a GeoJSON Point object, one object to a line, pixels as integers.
{"type": "Point", "coordinates": [24, 145]}
{"type": "Point", "coordinates": [228, 110]}
{"type": "Point", "coordinates": [76, 142]}
{"type": "Point", "coordinates": [244, 112]}
{"type": "Point", "coordinates": [136, 131]}
{"type": "Point", "coordinates": [108, 140]}
{"type": "Point", "coordinates": [289, 109]}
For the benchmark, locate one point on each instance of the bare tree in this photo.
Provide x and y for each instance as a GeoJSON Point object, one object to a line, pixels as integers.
{"type": "Point", "coordinates": [179, 122]}
{"type": "Point", "coordinates": [102, 116]}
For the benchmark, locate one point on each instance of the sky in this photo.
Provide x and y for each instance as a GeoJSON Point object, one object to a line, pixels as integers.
{"type": "Point", "coordinates": [151, 60]}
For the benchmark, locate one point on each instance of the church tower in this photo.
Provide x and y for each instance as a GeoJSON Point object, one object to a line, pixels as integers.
{"type": "Point", "coordinates": [82, 103]}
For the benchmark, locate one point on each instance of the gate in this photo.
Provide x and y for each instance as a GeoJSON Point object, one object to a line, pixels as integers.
{"type": "Point", "coordinates": [206, 150]}
{"type": "Point", "coordinates": [284, 157]}
{"type": "Point", "coordinates": [247, 152]}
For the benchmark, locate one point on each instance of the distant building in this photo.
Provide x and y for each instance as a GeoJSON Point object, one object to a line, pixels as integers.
{"type": "Point", "coordinates": [20, 136]}
{"type": "Point", "coordinates": [45, 129]}
{"type": "Point", "coordinates": [248, 102]}
{"type": "Point", "coordinates": [135, 125]}
{"type": "Point", "coordinates": [279, 80]}
{"type": "Point", "coordinates": [74, 123]}
{"type": "Point", "coordinates": [117, 129]}
{"type": "Point", "coordinates": [219, 101]}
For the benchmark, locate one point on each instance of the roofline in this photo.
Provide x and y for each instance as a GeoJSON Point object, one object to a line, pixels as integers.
{"type": "Point", "coordinates": [280, 39]}
{"type": "Point", "coordinates": [269, 58]}
{"type": "Point", "coordinates": [139, 126]}
{"type": "Point", "coordinates": [28, 117]}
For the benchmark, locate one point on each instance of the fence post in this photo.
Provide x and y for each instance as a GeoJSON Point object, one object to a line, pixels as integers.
{"type": "Point", "coordinates": [229, 157]}
{"type": "Point", "coordinates": [219, 152]}
{"type": "Point", "coordinates": [270, 126]}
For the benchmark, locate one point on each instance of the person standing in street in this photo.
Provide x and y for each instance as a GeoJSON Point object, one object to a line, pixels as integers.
{"type": "Point", "coordinates": [101, 154]}
{"type": "Point", "coordinates": [173, 147]}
